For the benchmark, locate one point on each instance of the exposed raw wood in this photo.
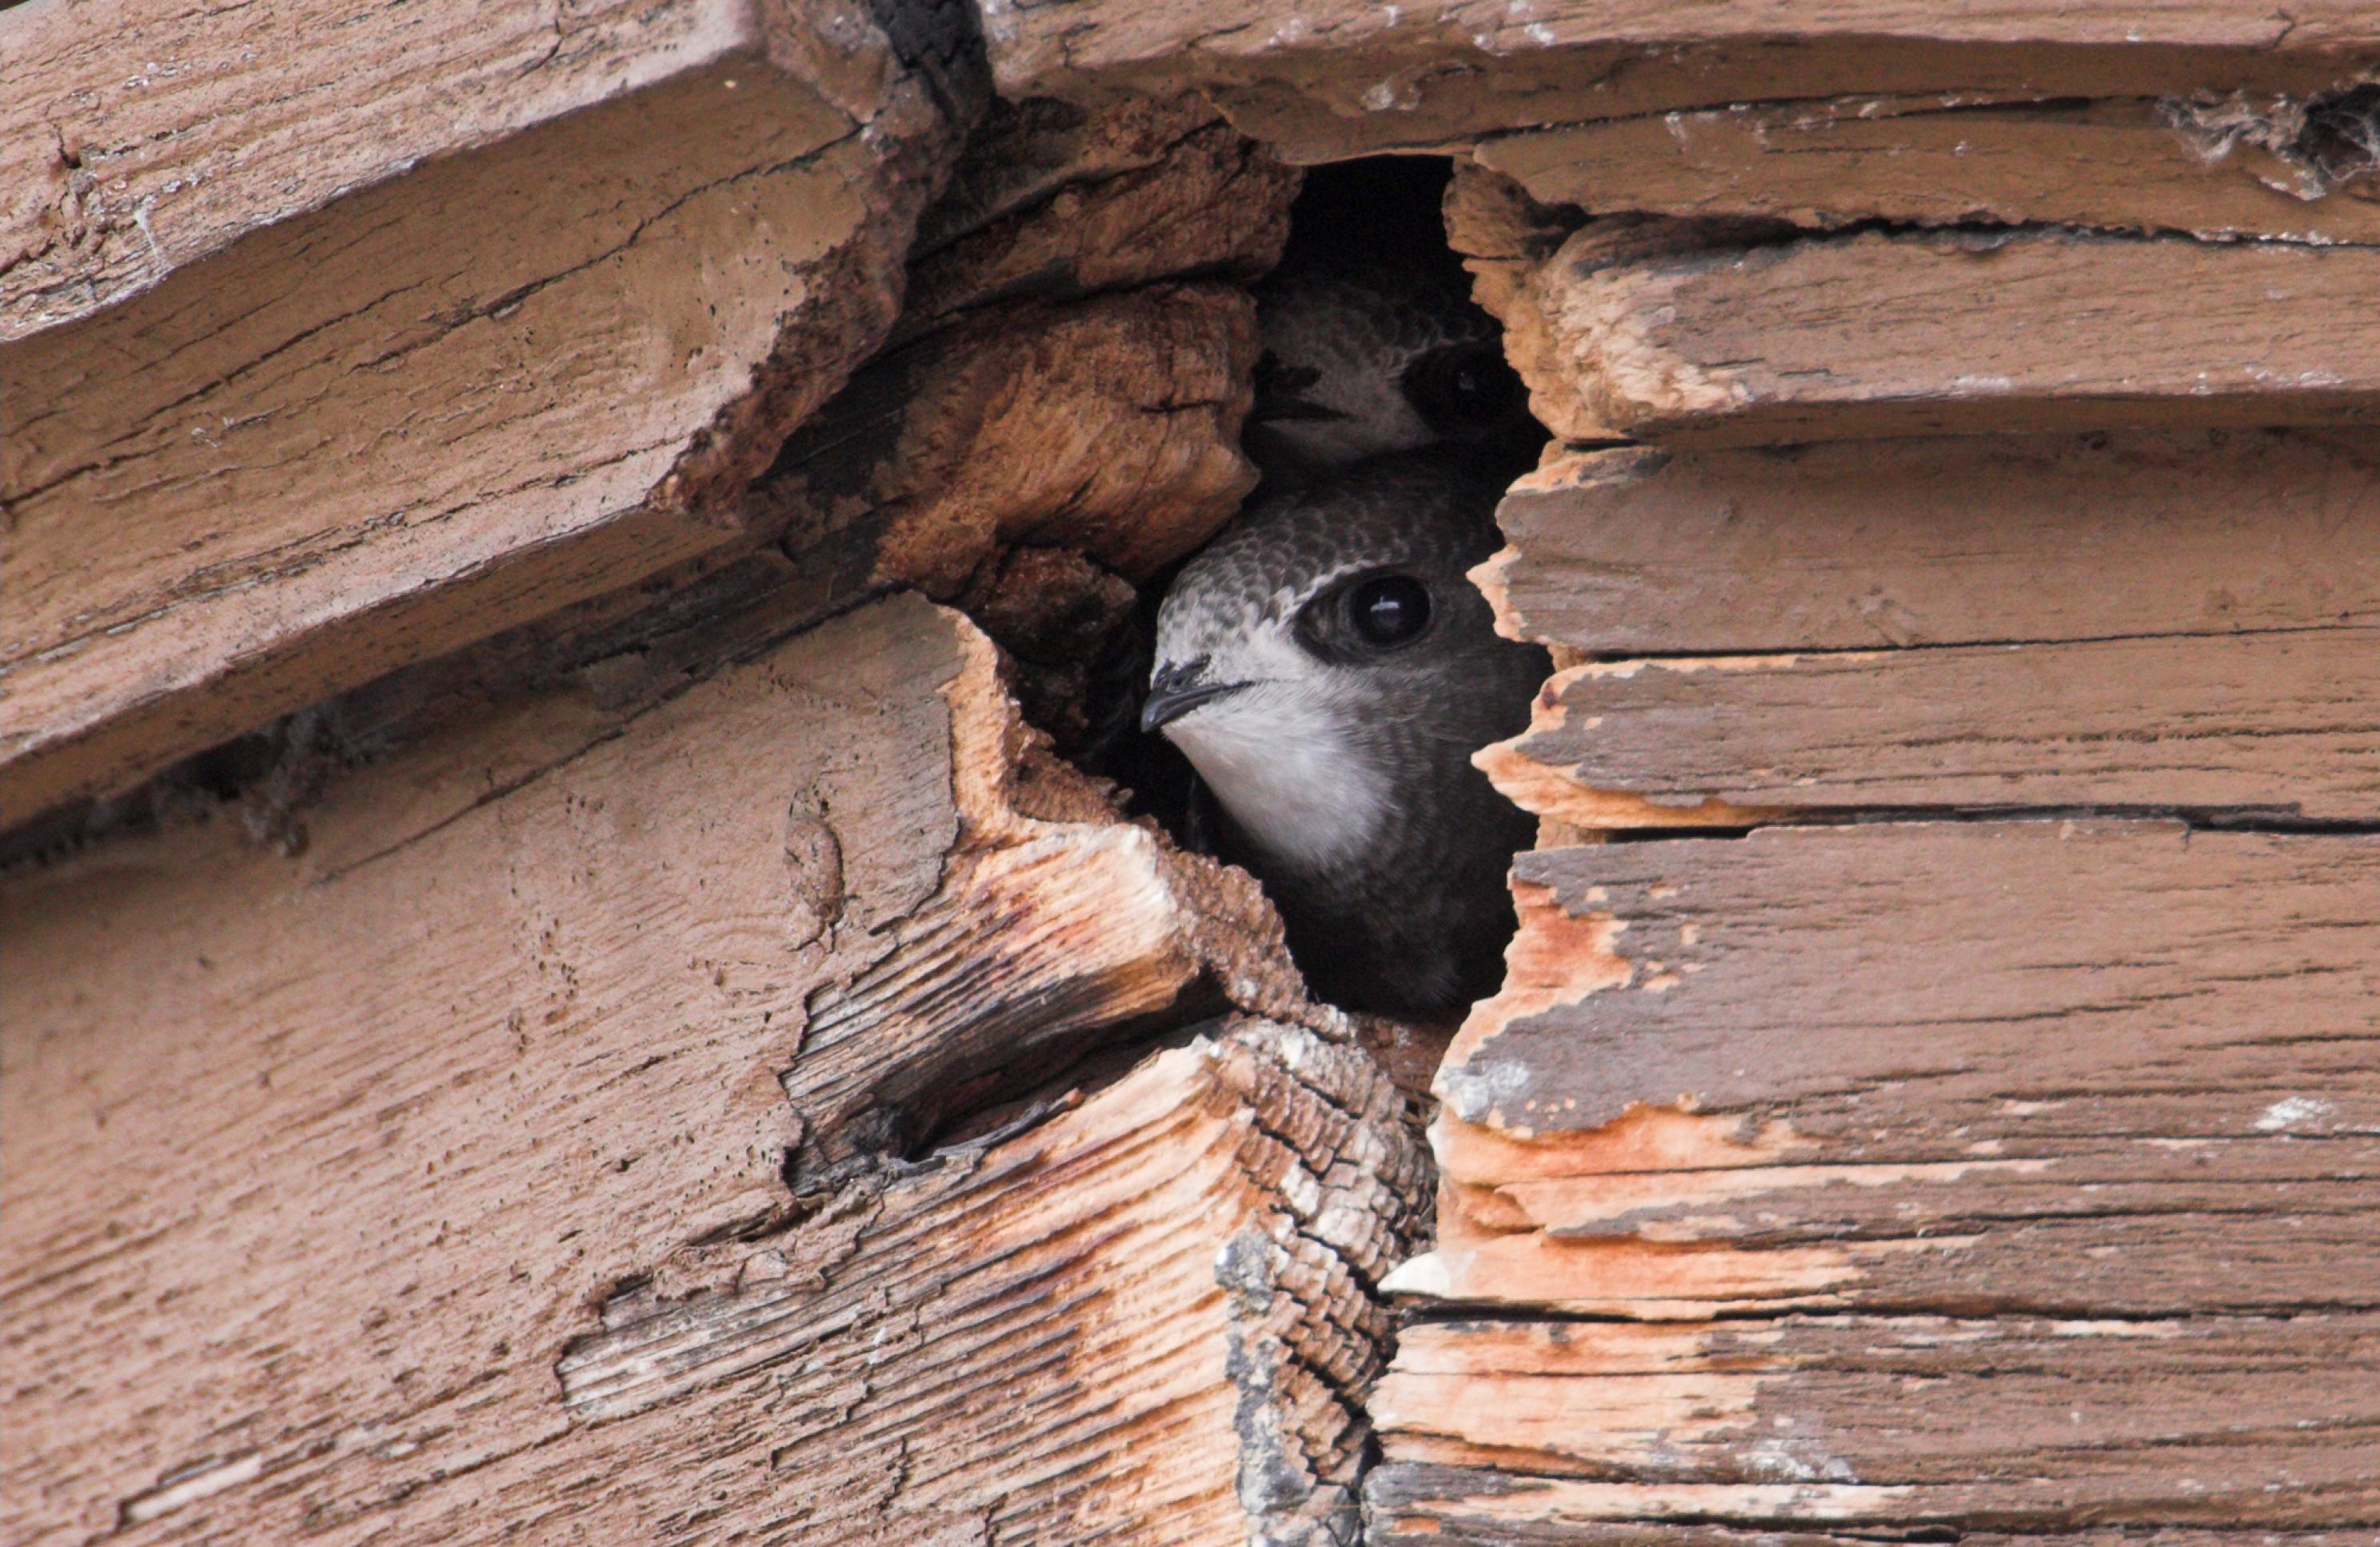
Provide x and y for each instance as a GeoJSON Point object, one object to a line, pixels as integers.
{"type": "Point", "coordinates": [2276, 725]}
{"type": "Point", "coordinates": [1349, 77]}
{"type": "Point", "coordinates": [2006, 1067]}
{"type": "Point", "coordinates": [1945, 541]}
{"type": "Point", "coordinates": [1860, 337]}
{"type": "Point", "coordinates": [514, 378]}
{"type": "Point", "coordinates": [1053, 201]}
{"type": "Point", "coordinates": [1940, 159]}
{"type": "Point", "coordinates": [1109, 425]}
{"type": "Point", "coordinates": [1461, 1509]}
{"type": "Point", "coordinates": [2271, 1420]}
{"type": "Point", "coordinates": [487, 1094]}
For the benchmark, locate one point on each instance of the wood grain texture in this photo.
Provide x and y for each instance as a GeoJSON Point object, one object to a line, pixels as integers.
{"type": "Point", "coordinates": [2268, 726]}
{"type": "Point", "coordinates": [1461, 1507]}
{"type": "Point", "coordinates": [1347, 78]}
{"type": "Point", "coordinates": [490, 1096]}
{"type": "Point", "coordinates": [452, 401]}
{"type": "Point", "coordinates": [1952, 542]}
{"type": "Point", "coordinates": [1915, 1418]}
{"type": "Point", "coordinates": [139, 137]}
{"type": "Point", "coordinates": [2058, 1067]}
{"type": "Point", "coordinates": [1109, 426]}
{"type": "Point", "coordinates": [1054, 202]}
{"type": "Point", "coordinates": [2120, 164]}
{"type": "Point", "coordinates": [1855, 337]}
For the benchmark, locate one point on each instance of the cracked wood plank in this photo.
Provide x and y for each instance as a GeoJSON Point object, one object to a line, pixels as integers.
{"type": "Point", "coordinates": [504, 1069]}
{"type": "Point", "coordinates": [136, 136]}
{"type": "Point", "coordinates": [1938, 1176]}
{"type": "Point", "coordinates": [514, 377]}
{"type": "Point", "coordinates": [2264, 724]}
{"type": "Point", "coordinates": [1345, 77]}
{"type": "Point", "coordinates": [1902, 1420]}
{"type": "Point", "coordinates": [1460, 1507]}
{"type": "Point", "coordinates": [1865, 337]}
{"type": "Point", "coordinates": [2053, 1067]}
{"type": "Point", "coordinates": [2120, 164]}
{"type": "Point", "coordinates": [1956, 542]}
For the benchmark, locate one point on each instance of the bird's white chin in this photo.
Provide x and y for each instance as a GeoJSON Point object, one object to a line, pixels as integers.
{"type": "Point", "coordinates": [1283, 764]}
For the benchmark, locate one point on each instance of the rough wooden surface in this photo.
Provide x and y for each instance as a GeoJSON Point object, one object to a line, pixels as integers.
{"type": "Point", "coordinates": [1466, 1510]}
{"type": "Point", "coordinates": [512, 378]}
{"type": "Point", "coordinates": [1968, 541]}
{"type": "Point", "coordinates": [1693, 1066]}
{"type": "Point", "coordinates": [2074, 1117]}
{"type": "Point", "coordinates": [2124, 164]}
{"type": "Point", "coordinates": [137, 136]}
{"type": "Point", "coordinates": [1901, 1413]}
{"type": "Point", "coordinates": [1853, 337]}
{"type": "Point", "coordinates": [1109, 426]}
{"type": "Point", "coordinates": [1347, 78]}
{"type": "Point", "coordinates": [1053, 201]}
{"type": "Point", "coordinates": [490, 1094]}
{"type": "Point", "coordinates": [2278, 725]}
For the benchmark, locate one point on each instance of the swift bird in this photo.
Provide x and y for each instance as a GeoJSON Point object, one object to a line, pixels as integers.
{"type": "Point", "coordinates": [1385, 353]}
{"type": "Point", "coordinates": [1328, 669]}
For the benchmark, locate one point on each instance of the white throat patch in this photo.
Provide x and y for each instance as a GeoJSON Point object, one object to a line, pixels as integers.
{"type": "Point", "coordinates": [1279, 756]}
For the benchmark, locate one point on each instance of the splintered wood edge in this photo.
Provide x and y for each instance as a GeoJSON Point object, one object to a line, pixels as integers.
{"type": "Point", "coordinates": [1557, 793]}
{"type": "Point", "coordinates": [1225, 925]}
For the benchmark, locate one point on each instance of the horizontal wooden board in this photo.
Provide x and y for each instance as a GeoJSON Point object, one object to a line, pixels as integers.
{"type": "Point", "coordinates": [2050, 1424]}
{"type": "Point", "coordinates": [1467, 1507]}
{"type": "Point", "coordinates": [2058, 1067]}
{"type": "Point", "coordinates": [2266, 724]}
{"type": "Point", "coordinates": [1854, 337]}
{"type": "Point", "coordinates": [2215, 959]}
{"type": "Point", "coordinates": [1960, 541]}
{"type": "Point", "coordinates": [137, 136]}
{"type": "Point", "coordinates": [442, 406]}
{"type": "Point", "coordinates": [2122, 163]}
{"type": "Point", "coordinates": [1348, 77]}
{"type": "Point", "coordinates": [433, 1182]}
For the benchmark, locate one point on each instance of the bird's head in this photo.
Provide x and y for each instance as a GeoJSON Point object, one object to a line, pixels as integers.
{"type": "Point", "coordinates": [1326, 659]}
{"type": "Point", "coordinates": [1358, 365]}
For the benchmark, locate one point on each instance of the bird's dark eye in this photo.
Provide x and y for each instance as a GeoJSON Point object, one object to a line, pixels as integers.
{"type": "Point", "coordinates": [1388, 609]}
{"type": "Point", "coordinates": [1466, 389]}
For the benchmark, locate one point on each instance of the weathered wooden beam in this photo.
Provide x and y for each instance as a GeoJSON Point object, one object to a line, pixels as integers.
{"type": "Point", "coordinates": [1955, 542]}
{"type": "Point", "coordinates": [1856, 338]}
{"type": "Point", "coordinates": [2129, 164]}
{"type": "Point", "coordinates": [1945, 1174]}
{"type": "Point", "coordinates": [492, 1092]}
{"type": "Point", "coordinates": [1914, 1418]}
{"type": "Point", "coordinates": [1345, 78]}
{"type": "Point", "coordinates": [1994, 1050]}
{"type": "Point", "coordinates": [1458, 1507]}
{"type": "Point", "coordinates": [2271, 724]}
{"type": "Point", "coordinates": [540, 365]}
{"type": "Point", "coordinates": [138, 138]}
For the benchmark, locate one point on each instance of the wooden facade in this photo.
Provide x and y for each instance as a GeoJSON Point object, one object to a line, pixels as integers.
{"type": "Point", "coordinates": [555, 985]}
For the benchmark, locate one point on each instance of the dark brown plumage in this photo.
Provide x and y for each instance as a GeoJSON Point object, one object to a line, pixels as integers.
{"type": "Point", "coordinates": [1328, 669]}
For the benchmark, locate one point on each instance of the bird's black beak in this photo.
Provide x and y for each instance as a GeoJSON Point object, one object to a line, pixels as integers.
{"type": "Point", "coordinates": [1174, 689]}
